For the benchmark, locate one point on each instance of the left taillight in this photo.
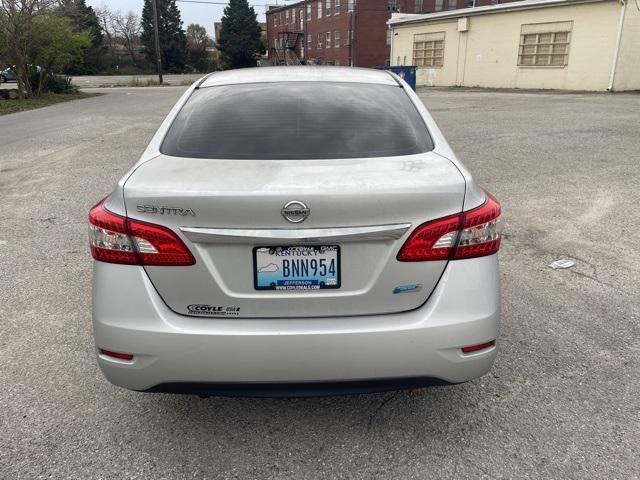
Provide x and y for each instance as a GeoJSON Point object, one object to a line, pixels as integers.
{"type": "Point", "coordinates": [117, 239]}
{"type": "Point", "coordinates": [474, 233]}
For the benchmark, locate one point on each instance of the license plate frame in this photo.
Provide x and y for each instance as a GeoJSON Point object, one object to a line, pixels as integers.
{"type": "Point", "coordinates": [335, 279]}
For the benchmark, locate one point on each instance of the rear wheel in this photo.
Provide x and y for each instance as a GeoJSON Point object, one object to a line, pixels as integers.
{"type": "Point", "coordinates": [2, 79]}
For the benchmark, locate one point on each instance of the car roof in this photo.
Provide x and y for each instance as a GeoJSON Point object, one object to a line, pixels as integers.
{"type": "Point", "coordinates": [299, 74]}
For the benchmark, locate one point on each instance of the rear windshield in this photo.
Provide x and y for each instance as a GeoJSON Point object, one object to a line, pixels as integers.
{"type": "Point", "coordinates": [297, 120]}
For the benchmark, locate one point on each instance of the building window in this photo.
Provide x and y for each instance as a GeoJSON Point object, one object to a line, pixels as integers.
{"type": "Point", "coordinates": [545, 44]}
{"type": "Point", "coordinates": [327, 10]}
{"type": "Point", "coordinates": [319, 39]}
{"type": "Point", "coordinates": [320, 9]}
{"type": "Point", "coordinates": [336, 39]}
{"type": "Point", "coordinates": [301, 20]}
{"type": "Point", "coordinates": [294, 16]}
{"type": "Point", "coordinates": [389, 37]}
{"type": "Point", "coordinates": [417, 6]}
{"type": "Point", "coordinates": [452, 5]}
{"type": "Point", "coordinates": [309, 42]}
{"type": "Point", "coordinates": [336, 7]}
{"type": "Point", "coordinates": [275, 21]}
{"type": "Point", "coordinates": [392, 5]}
{"type": "Point", "coordinates": [350, 5]}
{"type": "Point", "coordinates": [328, 40]}
{"type": "Point", "coordinates": [308, 11]}
{"type": "Point", "coordinates": [439, 5]}
{"type": "Point", "coordinates": [428, 50]}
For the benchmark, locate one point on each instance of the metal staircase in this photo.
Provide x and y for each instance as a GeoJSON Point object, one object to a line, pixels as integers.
{"type": "Point", "coordinates": [288, 48]}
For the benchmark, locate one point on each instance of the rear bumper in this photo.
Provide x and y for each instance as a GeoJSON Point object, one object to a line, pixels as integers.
{"type": "Point", "coordinates": [314, 355]}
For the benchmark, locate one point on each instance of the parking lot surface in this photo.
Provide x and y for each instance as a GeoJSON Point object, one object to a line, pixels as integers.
{"type": "Point", "coordinates": [562, 401]}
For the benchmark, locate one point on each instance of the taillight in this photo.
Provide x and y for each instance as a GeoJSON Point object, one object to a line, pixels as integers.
{"type": "Point", "coordinates": [475, 233]}
{"type": "Point", "coordinates": [117, 239]}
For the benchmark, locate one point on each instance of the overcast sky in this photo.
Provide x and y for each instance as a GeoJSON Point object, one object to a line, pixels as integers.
{"type": "Point", "coordinates": [200, 13]}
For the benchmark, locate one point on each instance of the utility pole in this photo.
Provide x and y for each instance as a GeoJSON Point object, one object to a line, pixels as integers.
{"type": "Point", "coordinates": [157, 35]}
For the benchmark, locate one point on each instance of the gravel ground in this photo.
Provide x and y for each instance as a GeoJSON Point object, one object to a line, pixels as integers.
{"type": "Point", "coordinates": [562, 400]}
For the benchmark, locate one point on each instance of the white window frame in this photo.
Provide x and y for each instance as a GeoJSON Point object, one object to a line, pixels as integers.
{"type": "Point", "coordinates": [319, 8]}
{"type": "Point", "coordinates": [336, 7]}
{"type": "Point", "coordinates": [336, 39]}
{"type": "Point", "coordinates": [327, 40]}
{"type": "Point", "coordinates": [327, 8]}
{"type": "Point", "coordinates": [428, 50]}
{"type": "Point", "coordinates": [308, 11]}
{"type": "Point", "coordinates": [543, 43]}
{"type": "Point", "coordinates": [350, 5]}
{"type": "Point", "coordinates": [309, 41]}
{"type": "Point", "coordinates": [320, 39]}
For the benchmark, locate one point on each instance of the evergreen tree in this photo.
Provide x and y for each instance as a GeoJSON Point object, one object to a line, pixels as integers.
{"type": "Point", "coordinates": [240, 35]}
{"type": "Point", "coordinates": [84, 19]}
{"type": "Point", "coordinates": [173, 43]}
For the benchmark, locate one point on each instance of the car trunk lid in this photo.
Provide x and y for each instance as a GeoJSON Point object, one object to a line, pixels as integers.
{"type": "Point", "coordinates": [229, 211]}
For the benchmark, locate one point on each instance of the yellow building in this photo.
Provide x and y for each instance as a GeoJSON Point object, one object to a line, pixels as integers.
{"type": "Point", "coordinates": [559, 44]}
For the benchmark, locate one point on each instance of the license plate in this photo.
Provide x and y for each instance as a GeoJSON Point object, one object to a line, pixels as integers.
{"type": "Point", "coordinates": [296, 267]}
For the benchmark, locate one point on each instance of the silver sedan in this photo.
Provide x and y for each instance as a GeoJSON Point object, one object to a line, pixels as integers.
{"type": "Point", "coordinates": [296, 231]}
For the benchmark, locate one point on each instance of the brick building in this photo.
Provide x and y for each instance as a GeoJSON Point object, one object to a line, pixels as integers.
{"type": "Point", "coordinates": [342, 32]}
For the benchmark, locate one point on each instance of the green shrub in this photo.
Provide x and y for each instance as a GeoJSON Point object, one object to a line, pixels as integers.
{"type": "Point", "coordinates": [60, 84]}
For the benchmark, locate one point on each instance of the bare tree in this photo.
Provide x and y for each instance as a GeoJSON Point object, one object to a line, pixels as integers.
{"type": "Point", "coordinates": [127, 27]}
{"type": "Point", "coordinates": [106, 17]}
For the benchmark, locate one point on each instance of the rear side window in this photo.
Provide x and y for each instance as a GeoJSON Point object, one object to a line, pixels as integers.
{"type": "Point", "coordinates": [297, 120]}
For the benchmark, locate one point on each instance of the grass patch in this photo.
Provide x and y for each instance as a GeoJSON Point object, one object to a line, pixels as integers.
{"type": "Point", "coordinates": [142, 82]}
{"type": "Point", "coordinates": [13, 106]}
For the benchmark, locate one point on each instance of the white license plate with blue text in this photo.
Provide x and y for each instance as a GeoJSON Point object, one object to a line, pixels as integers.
{"type": "Point", "coordinates": [314, 267]}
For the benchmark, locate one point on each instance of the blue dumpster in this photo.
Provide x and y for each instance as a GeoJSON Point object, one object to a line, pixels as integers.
{"type": "Point", "coordinates": [407, 73]}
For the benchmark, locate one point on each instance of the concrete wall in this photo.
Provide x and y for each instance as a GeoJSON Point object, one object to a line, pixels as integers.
{"type": "Point", "coordinates": [628, 71]}
{"type": "Point", "coordinates": [487, 54]}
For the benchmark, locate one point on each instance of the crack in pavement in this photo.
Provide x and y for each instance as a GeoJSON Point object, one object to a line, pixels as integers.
{"type": "Point", "coordinates": [380, 407]}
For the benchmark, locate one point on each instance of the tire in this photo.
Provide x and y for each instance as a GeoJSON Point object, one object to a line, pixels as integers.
{"type": "Point", "coordinates": [2, 79]}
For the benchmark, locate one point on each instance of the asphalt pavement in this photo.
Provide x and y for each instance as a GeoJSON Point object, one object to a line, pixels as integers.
{"type": "Point", "coordinates": [562, 401]}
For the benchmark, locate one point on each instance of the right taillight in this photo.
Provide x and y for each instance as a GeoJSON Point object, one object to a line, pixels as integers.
{"type": "Point", "coordinates": [117, 239]}
{"type": "Point", "coordinates": [475, 233]}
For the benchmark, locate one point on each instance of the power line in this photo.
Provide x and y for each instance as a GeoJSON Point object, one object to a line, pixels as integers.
{"type": "Point", "coordinates": [213, 2]}
{"type": "Point", "coordinates": [227, 3]}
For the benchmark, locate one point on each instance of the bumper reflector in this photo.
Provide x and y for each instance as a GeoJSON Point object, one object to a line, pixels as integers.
{"type": "Point", "coordinates": [118, 355]}
{"type": "Point", "coordinates": [479, 346]}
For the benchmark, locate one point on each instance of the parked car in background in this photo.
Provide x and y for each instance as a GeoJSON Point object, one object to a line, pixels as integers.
{"type": "Point", "coordinates": [7, 75]}
{"type": "Point", "coordinates": [296, 231]}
